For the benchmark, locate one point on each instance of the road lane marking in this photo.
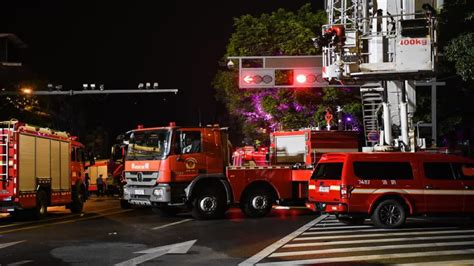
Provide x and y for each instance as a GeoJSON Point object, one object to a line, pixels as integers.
{"type": "Point", "coordinates": [375, 230]}
{"type": "Point", "coordinates": [376, 257]}
{"type": "Point", "coordinates": [276, 245]}
{"type": "Point", "coordinates": [371, 248]}
{"type": "Point", "coordinates": [9, 244]}
{"type": "Point", "coordinates": [152, 253]}
{"type": "Point", "coordinates": [20, 262]}
{"type": "Point", "coordinates": [382, 235]}
{"type": "Point", "coordinates": [430, 238]}
{"type": "Point", "coordinates": [171, 224]}
{"type": "Point", "coordinates": [65, 222]}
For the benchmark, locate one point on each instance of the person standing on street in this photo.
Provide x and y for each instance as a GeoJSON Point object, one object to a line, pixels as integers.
{"type": "Point", "coordinates": [100, 185]}
{"type": "Point", "coordinates": [87, 181]}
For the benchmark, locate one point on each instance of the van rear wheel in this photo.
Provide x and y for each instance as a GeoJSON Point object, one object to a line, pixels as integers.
{"type": "Point", "coordinates": [389, 214]}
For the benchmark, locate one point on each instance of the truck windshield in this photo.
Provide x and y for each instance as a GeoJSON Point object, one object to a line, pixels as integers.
{"type": "Point", "coordinates": [148, 145]}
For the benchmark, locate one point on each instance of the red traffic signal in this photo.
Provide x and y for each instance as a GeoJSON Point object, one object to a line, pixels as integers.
{"type": "Point", "coordinates": [306, 77]}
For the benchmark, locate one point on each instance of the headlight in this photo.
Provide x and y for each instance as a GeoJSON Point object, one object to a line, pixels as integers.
{"type": "Point", "coordinates": [126, 191]}
{"type": "Point", "coordinates": [159, 192]}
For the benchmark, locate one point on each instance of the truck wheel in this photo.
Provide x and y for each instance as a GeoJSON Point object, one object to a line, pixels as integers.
{"type": "Point", "coordinates": [165, 211]}
{"type": "Point", "coordinates": [389, 214]}
{"type": "Point", "coordinates": [209, 203]}
{"type": "Point", "coordinates": [77, 200]}
{"type": "Point", "coordinates": [41, 209]}
{"type": "Point", "coordinates": [124, 204]}
{"type": "Point", "coordinates": [352, 220]}
{"type": "Point", "coordinates": [257, 203]}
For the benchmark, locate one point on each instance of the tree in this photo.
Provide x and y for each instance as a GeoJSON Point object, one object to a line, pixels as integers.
{"type": "Point", "coordinates": [457, 23]}
{"type": "Point", "coordinates": [456, 68]}
{"type": "Point", "coordinates": [259, 111]}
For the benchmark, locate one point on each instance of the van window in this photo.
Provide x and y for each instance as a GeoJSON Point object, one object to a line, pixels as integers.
{"type": "Point", "coordinates": [464, 171]}
{"type": "Point", "coordinates": [438, 171]}
{"type": "Point", "coordinates": [328, 171]}
{"type": "Point", "coordinates": [383, 170]}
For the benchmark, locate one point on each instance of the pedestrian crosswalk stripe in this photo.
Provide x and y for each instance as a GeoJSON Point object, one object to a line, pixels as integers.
{"type": "Point", "coordinates": [375, 230]}
{"type": "Point", "coordinates": [382, 235]}
{"type": "Point", "coordinates": [367, 241]}
{"type": "Point", "coordinates": [376, 257]}
{"type": "Point", "coordinates": [335, 224]}
{"type": "Point", "coordinates": [446, 262]}
{"type": "Point", "coordinates": [373, 248]}
{"type": "Point", "coordinates": [340, 227]}
{"type": "Point", "coordinates": [276, 245]}
{"type": "Point", "coordinates": [330, 221]}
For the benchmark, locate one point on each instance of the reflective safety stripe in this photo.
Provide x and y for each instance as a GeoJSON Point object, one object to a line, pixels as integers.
{"type": "Point", "coordinates": [334, 150]}
{"type": "Point", "coordinates": [413, 191]}
{"type": "Point", "coordinates": [337, 188]}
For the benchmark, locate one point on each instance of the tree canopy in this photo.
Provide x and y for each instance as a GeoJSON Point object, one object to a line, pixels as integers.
{"type": "Point", "coordinates": [259, 111]}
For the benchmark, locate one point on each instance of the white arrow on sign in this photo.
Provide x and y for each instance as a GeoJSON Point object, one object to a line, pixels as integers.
{"type": "Point", "coordinates": [248, 79]}
{"type": "Point", "coordinates": [152, 253]}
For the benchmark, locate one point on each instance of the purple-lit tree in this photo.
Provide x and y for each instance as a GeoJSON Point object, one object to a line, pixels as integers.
{"type": "Point", "coordinates": [259, 111]}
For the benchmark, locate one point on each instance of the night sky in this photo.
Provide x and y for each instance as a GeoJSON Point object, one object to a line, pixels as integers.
{"type": "Point", "coordinates": [177, 44]}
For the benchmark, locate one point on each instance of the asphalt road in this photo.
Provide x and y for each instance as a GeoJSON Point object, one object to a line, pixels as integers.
{"type": "Point", "coordinates": [107, 235]}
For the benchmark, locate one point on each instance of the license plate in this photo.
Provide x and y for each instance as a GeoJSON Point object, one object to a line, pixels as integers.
{"type": "Point", "coordinates": [323, 189]}
{"type": "Point", "coordinates": [139, 192]}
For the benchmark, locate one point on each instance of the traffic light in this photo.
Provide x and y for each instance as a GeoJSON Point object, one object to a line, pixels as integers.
{"type": "Point", "coordinates": [257, 78]}
{"type": "Point", "coordinates": [307, 77]}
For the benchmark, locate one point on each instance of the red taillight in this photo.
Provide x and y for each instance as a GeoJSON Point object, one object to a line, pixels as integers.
{"type": "Point", "coordinates": [346, 191]}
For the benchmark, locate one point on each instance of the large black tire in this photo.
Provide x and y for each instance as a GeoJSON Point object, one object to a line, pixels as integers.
{"type": "Point", "coordinates": [77, 199]}
{"type": "Point", "coordinates": [124, 204]}
{"type": "Point", "coordinates": [165, 211]}
{"type": "Point", "coordinates": [352, 220]}
{"type": "Point", "coordinates": [209, 203]}
{"type": "Point", "coordinates": [389, 214]}
{"type": "Point", "coordinates": [257, 203]}
{"type": "Point", "coordinates": [41, 209]}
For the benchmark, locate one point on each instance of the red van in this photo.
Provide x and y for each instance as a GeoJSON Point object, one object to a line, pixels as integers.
{"type": "Point", "coordinates": [388, 187]}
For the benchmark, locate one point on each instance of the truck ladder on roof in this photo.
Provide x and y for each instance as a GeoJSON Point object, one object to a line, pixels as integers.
{"type": "Point", "coordinates": [371, 95]}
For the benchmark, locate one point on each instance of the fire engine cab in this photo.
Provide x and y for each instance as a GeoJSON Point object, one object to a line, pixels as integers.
{"type": "Point", "coordinates": [39, 167]}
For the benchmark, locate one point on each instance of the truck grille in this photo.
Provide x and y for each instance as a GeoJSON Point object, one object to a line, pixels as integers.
{"type": "Point", "coordinates": [141, 178]}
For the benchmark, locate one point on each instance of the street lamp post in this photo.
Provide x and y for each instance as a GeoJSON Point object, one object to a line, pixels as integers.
{"type": "Point", "coordinates": [90, 89]}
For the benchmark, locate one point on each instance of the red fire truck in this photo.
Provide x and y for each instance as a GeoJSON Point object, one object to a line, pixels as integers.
{"type": "Point", "coordinates": [39, 167]}
{"type": "Point", "coordinates": [172, 167]}
{"type": "Point", "coordinates": [108, 169]}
